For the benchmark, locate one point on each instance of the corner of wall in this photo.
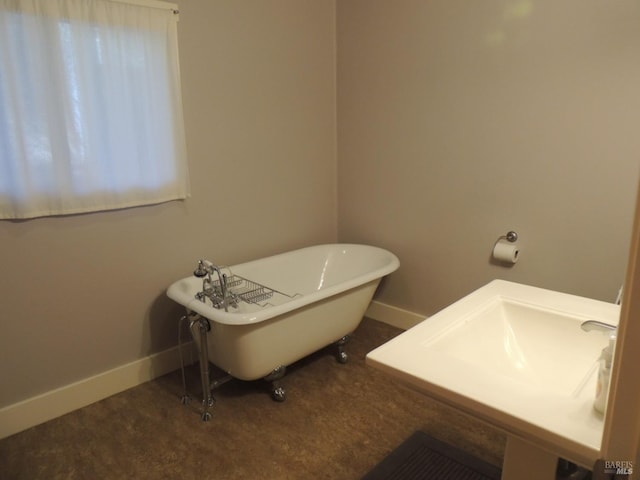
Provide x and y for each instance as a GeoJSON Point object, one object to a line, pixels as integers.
{"type": "Point", "coordinates": [394, 316]}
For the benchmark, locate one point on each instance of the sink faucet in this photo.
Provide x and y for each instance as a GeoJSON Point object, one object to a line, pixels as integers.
{"type": "Point", "coordinates": [591, 325]}
{"type": "Point", "coordinates": [204, 270]}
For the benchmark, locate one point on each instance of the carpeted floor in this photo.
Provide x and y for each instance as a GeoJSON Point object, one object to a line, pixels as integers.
{"type": "Point", "coordinates": [338, 422]}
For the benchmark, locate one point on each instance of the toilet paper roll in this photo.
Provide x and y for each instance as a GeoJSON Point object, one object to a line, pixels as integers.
{"type": "Point", "coordinates": [506, 252]}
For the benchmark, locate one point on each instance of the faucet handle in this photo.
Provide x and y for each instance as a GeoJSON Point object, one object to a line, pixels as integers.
{"type": "Point", "coordinates": [591, 325]}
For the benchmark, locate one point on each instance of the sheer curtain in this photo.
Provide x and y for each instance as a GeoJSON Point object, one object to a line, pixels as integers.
{"type": "Point", "coordinates": [90, 107]}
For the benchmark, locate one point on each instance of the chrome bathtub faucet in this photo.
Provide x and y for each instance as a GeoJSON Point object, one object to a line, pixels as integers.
{"type": "Point", "coordinates": [590, 325]}
{"type": "Point", "coordinates": [218, 292]}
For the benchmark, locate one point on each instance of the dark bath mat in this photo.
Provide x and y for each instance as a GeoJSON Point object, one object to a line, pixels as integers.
{"type": "Point", "coordinates": [422, 457]}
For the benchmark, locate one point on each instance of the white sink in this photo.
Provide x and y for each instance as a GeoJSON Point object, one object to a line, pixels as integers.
{"type": "Point", "coordinates": [515, 356]}
{"type": "Point", "coordinates": [538, 348]}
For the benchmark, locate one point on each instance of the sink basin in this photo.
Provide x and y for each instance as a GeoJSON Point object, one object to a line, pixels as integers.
{"type": "Point", "coordinates": [513, 355]}
{"type": "Point", "coordinates": [535, 347]}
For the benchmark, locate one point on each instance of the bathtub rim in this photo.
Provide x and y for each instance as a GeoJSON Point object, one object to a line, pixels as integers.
{"type": "Point", "coordinates": [235, 318]}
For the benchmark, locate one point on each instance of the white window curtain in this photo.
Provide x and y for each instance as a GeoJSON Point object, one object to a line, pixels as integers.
{"type": "Point", "coordinates": [90, 107]}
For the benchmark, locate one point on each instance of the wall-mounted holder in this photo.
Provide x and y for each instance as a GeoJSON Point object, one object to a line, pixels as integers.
{"type": "Point", "coordinates": [505, 250]}
{"type": "Point", "coordinates": [511, 236]}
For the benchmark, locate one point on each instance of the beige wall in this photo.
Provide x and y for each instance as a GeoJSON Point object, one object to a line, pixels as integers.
{"type": "Point", "coordinates": [83, 294]}
{"type": "Point", "coordinates": [459, 121]}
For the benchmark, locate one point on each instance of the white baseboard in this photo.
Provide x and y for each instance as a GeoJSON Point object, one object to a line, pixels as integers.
{"type": "Point", "coordinates": [42, 408]}
{"type": "Point", "coordinates": [393, 315]}
{"type": "Point", "coordinates": [55, 403]}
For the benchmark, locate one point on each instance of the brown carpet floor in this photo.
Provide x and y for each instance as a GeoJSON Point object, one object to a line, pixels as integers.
{"type": "Point", "coordinates": [338, 422]}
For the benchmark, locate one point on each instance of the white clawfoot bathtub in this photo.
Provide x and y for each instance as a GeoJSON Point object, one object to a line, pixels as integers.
{"type": "Point", "coordinates": [320, 295]}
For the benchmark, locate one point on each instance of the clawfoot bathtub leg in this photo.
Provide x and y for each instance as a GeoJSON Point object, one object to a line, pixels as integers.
{"type": "Point", "coordinates": [342, 355]}
{"type": "Point", "coordinates": [278, 393]}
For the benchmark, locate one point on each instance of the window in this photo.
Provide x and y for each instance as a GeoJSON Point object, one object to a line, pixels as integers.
{"type": "Point", "coordinates": [90, 106]}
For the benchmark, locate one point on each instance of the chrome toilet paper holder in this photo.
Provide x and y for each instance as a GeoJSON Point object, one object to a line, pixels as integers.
{"type": "Point", "coordinates": [505, 251]}
{"type": "Point", "coordinates": [511, 236]}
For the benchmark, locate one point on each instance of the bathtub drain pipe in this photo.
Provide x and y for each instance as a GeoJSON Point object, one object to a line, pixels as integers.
{"type": "Point", "coordinates": [203, 326]}
{"type": "Point", "coordinates": [185, 396]}
{"type": "Point", "coordinates": [207, 398]}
